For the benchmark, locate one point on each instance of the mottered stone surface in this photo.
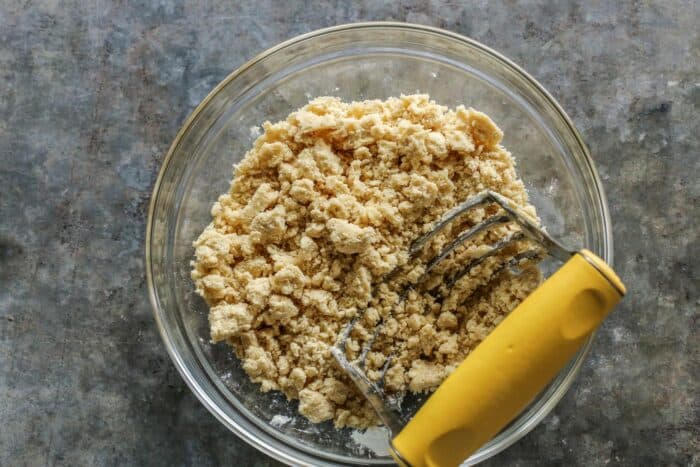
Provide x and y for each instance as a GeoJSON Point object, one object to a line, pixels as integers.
{"type": "Point", "coordinates": [92, 94]}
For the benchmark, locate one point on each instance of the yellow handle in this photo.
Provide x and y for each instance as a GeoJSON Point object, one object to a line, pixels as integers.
{"type": "Point", "coordinates": [511, 366]}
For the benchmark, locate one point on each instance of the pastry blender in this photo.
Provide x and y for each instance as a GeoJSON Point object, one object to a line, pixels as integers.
{"type": "Point", "coordinates": [505, 372]}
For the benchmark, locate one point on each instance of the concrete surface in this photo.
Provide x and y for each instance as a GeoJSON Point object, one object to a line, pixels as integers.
{"type": "Point", "coordinates": [92, 94]}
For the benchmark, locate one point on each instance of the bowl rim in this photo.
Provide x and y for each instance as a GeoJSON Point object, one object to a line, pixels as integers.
{"type": "Point", "coordinates": [588, 165]}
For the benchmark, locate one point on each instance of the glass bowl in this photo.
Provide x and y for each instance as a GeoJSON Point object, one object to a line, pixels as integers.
{"type": "Point", "coordinates": [353, 62]}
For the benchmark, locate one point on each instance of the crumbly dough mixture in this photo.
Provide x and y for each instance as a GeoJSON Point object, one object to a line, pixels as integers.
{"type": "Point", "coordinates": [323, 207]}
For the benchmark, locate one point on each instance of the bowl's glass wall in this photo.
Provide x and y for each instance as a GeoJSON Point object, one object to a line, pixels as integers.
{"type": "Point", "coordinates": [353, 63]}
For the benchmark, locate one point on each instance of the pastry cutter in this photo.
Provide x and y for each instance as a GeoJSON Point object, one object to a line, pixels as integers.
{"type": "Point", "coordinates": [513, 364]}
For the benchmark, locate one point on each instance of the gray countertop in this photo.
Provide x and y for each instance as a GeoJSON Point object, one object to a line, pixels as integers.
{"type": "Point", "coordinates": [92, 94]}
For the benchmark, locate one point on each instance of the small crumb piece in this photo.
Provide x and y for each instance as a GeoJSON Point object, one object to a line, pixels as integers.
{"type": "Point", "coordinates": [273, 154]}
{"type": "Point", "coordinates": [395, 378]}
{"type": "Point", "coordinates": [315, 406]}
{"type": "Point", "coordinates": [226, 321]}
{"type": "Point", "coordinates": [213, 285]}
{"type": "Point", "coordinates": [335, 390]}
{"type": "Point", "coordinates": [263, 197]}
{"type": "Point", "coordinates": [298, 378]}
{"type": "Point", "coordinates": [349, 238]}
{"type": "Point", "coordinates": [447, 320]}
{"type": "Point", "coordinates": [415, 321]}
{"type": "Point", "coordinates": [449, 346]}
{"type": "Point", "coordinates": [269, 226]}
{"type": "Point", "coordinates": [424, 376]}
{"type": "Point", "coordinates": [258, 292]}
{"type": "Point", "coordinates": [321, 301]}
{"type": "Point", "coordinates": [428, 338]}
{"type": "Point", "coordinates": [258, 363]}
{"type": "Point", "coordinates": [302, 190]}
{"type": "Point", "coordinates": [281, 310]}
{"type": "Point", "coordinates": [289, 280]}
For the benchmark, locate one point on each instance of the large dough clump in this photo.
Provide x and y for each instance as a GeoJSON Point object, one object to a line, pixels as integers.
{"type": "Point", "coordinates": [325, 204]}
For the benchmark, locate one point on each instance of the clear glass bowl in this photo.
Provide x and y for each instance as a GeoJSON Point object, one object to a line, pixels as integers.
{"type": "Point", "coordinates": [354, 62]}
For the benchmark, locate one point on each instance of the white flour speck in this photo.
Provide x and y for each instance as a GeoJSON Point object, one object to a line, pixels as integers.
{"type": "Point", "coordinates": [279, 420]}
{"type": "Point", "coordinates": [255, 131]}
{"type": "Point", "coordinates": [376, 439]}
